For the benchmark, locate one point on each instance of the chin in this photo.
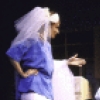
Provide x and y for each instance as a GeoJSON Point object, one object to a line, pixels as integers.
{"type": "Point", "coordinates": [53, 37]}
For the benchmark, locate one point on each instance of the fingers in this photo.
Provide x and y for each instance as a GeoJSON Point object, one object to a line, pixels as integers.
{"type": "Point", "coordinates": [75, 56]}
{"type": "Point", "coordinates": [35, 72]}
{"type": "Point", "coordinates": [32, 72]}
{"type": "Point", "coordinates": [83, 62]}
{"type": "Point", "coordinates": [80, 65]}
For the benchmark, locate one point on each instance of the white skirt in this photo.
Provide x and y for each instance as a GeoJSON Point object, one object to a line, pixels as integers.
{"type": "Point", "coordinates": [32, 96]}
{"type": "Point", "coordinates": [63, 81]}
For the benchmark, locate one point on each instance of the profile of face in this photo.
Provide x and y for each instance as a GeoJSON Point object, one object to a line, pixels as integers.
{"type": "Point", "coordinates": [54, 26]}
{"type": "Point", "coordinates": [54, 29]}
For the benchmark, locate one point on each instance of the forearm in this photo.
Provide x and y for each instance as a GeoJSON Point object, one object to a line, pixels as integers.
{"type": "Point", "coordinates": [77, 62]}
{"type": "Point", "coordinates": [17, 67]}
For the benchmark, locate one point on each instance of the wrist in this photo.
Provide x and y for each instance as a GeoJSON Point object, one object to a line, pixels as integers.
{"type": "Point", "coordinates": [22, 74]}
{"type": "Point", "coordinates": [67, 62]}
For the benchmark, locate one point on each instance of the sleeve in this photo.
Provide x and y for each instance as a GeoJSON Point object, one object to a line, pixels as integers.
{"type": "Point", "coordinates": [16, 52]}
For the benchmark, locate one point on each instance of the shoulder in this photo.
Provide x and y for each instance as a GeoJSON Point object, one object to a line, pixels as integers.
{"type": "Point", "coordinates": [28, 43]}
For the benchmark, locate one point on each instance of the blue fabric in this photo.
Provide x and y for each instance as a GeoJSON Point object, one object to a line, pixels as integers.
{"type": "Point", "coordinates": [34, 54]}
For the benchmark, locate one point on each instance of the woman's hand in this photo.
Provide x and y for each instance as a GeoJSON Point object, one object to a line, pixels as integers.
{"type": "Point", "coordinates": [20, 71]}
{"type": "Point", "coordinates": [74, 60]}
{"type": "Point", "coordinates": [30, 72]}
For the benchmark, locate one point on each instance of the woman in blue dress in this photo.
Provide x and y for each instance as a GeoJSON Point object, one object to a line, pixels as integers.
{"type": "Point", "coordinates": [31, 55]}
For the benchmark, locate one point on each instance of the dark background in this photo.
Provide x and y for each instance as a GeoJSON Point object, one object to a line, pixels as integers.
{"type": "Point", "coordinates": [78, 17]}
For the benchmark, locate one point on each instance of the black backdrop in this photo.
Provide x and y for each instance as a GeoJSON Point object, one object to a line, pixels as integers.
{"type": "Point", "coordinates": [74, 15]}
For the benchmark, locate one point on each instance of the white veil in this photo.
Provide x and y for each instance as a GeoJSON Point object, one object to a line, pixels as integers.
{"type": "Point", "coordinates": [31, 24]}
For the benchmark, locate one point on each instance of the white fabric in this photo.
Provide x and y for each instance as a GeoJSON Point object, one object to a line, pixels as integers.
{"type": "Point", "coordinates": [54, 18]}
{"type": "Point", "coordinates": [32, 24]}
{"type": "Point", "coordinates": [97, 96]}
{"type": "Point", "coordinates": [63, 81]}
{"type": "Point", "coordinates": [32, 96]}
{"type": "Point", "coordinates": [46, 9]}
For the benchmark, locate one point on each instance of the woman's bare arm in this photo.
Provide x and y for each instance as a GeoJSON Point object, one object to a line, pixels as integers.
{"type": "Point", "coordinates": [74, 60]}
{"type": "Point", "coordinates": [17, 67]}
{"type": "Point", "coordinates": [20, 71]}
